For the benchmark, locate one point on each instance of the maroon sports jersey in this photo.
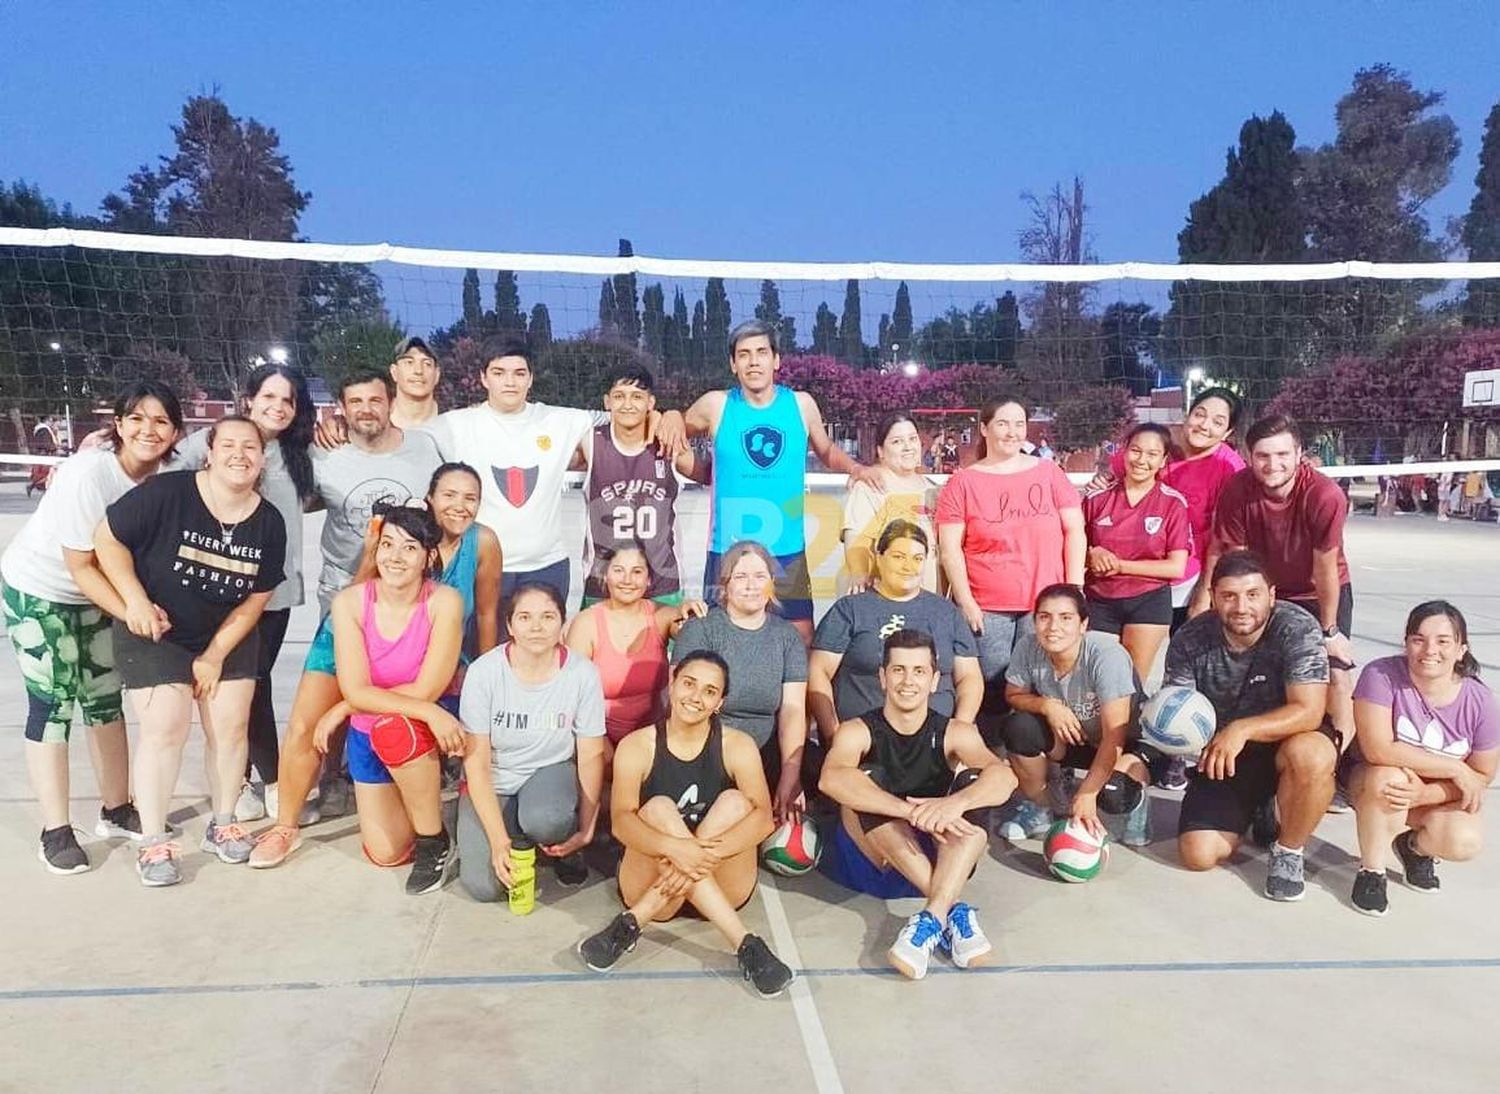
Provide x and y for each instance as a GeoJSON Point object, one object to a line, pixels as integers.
{"type": "Point", "coordinates": [631, 499]}
{"type": "Point", "coordinates": [1285, 533]}
{"type": "Point", "coordinates": [1148, 531]}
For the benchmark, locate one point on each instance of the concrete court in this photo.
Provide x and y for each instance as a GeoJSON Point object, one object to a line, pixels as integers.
{"type": "Point", "coordinates": [323, 975]}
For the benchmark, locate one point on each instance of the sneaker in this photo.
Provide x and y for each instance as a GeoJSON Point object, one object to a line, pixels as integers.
{"type": "Point", "coordinates": [230, 842]}
{"type": "Point", "coordinates": [157, 864]}
{"type": "Point", "coordinates": [1137, 831]}
{"type": "Point", "coordinates": [60, 853]}
{"type": "Point", "coordinates": [429, 869]}
{"type": "Point", "coordinates": [121, 822]}
{"type": "Point", "coordinates": [311, 812]}
{"type": "Point", "coordinates": [571, 871]}
{"type": "Point", "coordinates": [910, 953]}
{"type": "Point", "coordinates": [1284, 875]}
{"type": "Point", "coordinates": [1340, 802]}
{"type": "Point", "coordinates": [252, 804]}
{"type": "Point", "coordinates": [1264, 827]}
{"type": "Point", "coordinates": [1173, 774]}
{"type": "Point", "coordinates": [602, 950]}
{"type": "Point", "coordinates": [767, 973]}
{"type": "Point", "coordinates": [333, 797]}
{"type": "Point", "coordinates": [273, 846]}
{"type": "Point", "coordinates": [964, 940]}
{"type": "Point", "coordinates": [1418, 870]}
{"type": "Point", "coordinates": [1027, 820]}
{"type": "Point", "coordinates": [1369, 892]}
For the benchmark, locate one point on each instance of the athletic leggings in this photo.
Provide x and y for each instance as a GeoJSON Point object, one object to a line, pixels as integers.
{"type": "Point", "coordinates": [265, 752]}
{"type": "Point", "coordinates": [543, 811]}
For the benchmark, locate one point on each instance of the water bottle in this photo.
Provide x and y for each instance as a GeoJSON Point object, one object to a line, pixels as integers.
{"type": "Point", "coordinates": [523, 879]}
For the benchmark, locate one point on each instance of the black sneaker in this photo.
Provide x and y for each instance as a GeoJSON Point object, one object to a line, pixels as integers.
{"type": "Point", "coordinates": [121, 822]}
{"type": "Point", "coordinates": [767, 973]}
{"type": "Point", "coordinates": [572, 871]}
{"type": "Point", "coordinates": [1264, 827]}
{"type": "Point", "coordinates": [430, 869]}
{"type": "Point", "coordinates": [60, 853]}
{"type": "Point", "coordinates": [1369, 892]}
{"type": "Point", "coordinates": [1173, 774]}
{"type": "Point", "coordinates": [601, 951]}
{"type": "Point", "coordinates": [1419, 870]}
{"type": "Point", "coordinates": [1284, 875]}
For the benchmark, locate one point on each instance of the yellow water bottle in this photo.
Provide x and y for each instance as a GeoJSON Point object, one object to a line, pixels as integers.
{"type": "Point", "coordinates": [522, 879]}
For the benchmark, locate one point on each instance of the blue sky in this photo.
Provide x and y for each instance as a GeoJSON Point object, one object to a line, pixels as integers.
{"type": "Point", "coordinates": [896, 131]}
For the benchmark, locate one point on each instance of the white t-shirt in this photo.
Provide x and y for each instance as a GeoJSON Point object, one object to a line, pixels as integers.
{"type": "Point", "coordinates": [521, 459]}
{"type": "Point", "coordinates": [84, 486]}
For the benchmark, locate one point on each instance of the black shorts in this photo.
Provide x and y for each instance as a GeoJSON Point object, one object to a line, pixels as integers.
{"type": "Point", "coordinates": [144, 664]}
{"type": "Point", "coordinates": [1227, 805]}
{"type": "Point", "coordinates": [1113, 614]}
{"type": "Point", "coordinates": [1346, 608]}
{"type": "Point", "coordinates": [868, 822]}
{"type": "Point", "coordinates": [1081, 757]}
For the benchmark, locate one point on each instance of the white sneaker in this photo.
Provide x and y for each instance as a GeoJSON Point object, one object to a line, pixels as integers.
{"type": "Point", "coordinates": [912, 950]}
{"type": "Point", "coordinates": [964, 940]}
{"type": "Point", "coordinates": [252, 804]}
{"type": "Point", "coordinates": [311, 813]}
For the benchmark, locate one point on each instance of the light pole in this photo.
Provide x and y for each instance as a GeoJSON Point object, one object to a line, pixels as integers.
{"type": "Point", "coordinates": [278, 355]}
{"type": "Point", "coordinates": [56, 347]}
{"type": "Point", "coordinates": [1195, 375]}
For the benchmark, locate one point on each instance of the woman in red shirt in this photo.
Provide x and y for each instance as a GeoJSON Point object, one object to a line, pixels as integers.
{"type": "Point", "coordinates": [1139, 542]}
{"type": "Point", "coordinates": [1009, 525]}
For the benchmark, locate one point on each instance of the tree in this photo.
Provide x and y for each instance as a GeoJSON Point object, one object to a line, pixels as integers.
{"type": "Point", "coordinates": [539, 331]}
{"type": "Point", "coordinates": [786, 334]}
{"type": "Point", "coordinates": [362, 343]}
{"type": "Point", "coordinates": [825, 335]}
{"type": "Point", "coordinates": [698, 339]}
{"type": "Point", "coordinates": [608, 310]}
{"type": "Point", "coordinates": [851, 336]}
{"type": "Point", "coordinates": [769, 308]}
{"type": "Point", "coordinates": [654, 322]}
{"type": "Point", "coordinates": [1481, 228]}
{"type": "Point", "coordinates": [473, 306]}
{"type": "Point", "coordinates": [1129, 333]}
{"type": "Point", "coordinates": [1089, 414]}
{"type": "Point", "coordinates": [627, 317]}
{"type": "Point", "coordinates": [901, 329]}
{"type": "Point", "coordinates": [1007, 329]}
{"type": "Point", "coordinates": [883, 337]}
{"type": "Point", "coordinates": [675, 336]}
{"type": "Point", "coordinates": [1060, 331]}
{"type": "Point", "coordinates": [1247, 331]}
{"type": "Point", "coordinates": [508, 313]}
{"type": "Point", "coordinates": [716, 321]}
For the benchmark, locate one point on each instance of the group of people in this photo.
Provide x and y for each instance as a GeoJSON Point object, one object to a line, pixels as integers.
{"type": "Point", "coordinates": [686, 729]}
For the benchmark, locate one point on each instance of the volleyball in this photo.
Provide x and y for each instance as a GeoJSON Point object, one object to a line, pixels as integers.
{"type": "Point", "coordinates": [1072, 854]}
{"type": "Point", "coordinates": [793, 849]}
{"type": "Point", "coordinates": [1178, 721]}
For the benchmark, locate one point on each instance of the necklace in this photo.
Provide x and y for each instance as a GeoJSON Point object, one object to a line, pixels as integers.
{"type": "Point", "coordinates": [226, 531]}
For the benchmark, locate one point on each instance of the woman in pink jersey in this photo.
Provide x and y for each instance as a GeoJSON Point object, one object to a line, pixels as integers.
{"type": "Point", "coordinates": [1009, 525]}
{"type": "Point", "coordinates": [396, 641]}
{"type": "Point", "coordinates": [625, 636]}
{"type": "Point", "coordinates": [1139, 541]}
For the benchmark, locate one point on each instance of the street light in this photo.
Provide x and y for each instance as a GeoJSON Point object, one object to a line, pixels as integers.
{"type": "Point", "coordinates": [1195, 375]}
{"type": "Point", "coordinates": [54, 346]}
{"type": "Point", "coordinates": [910, 369]}
{"type": "Point", "coordinates": [278, 355]}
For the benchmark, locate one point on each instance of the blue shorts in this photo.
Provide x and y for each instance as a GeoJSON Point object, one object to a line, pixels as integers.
{"type": "Point", "coordinates": [793, 584]}
{"type": "Point", "coordinates": [320, 652]}
{"type": "Point", "coordinates": [364, 765]}
{"type": "Point", "coordinates": [846, 864]}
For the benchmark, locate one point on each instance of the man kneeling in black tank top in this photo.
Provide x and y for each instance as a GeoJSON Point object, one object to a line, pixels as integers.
{"type": "Point", "coordinates": [690, 804]}
{"type": "Point", "coordinates": [913, 786]}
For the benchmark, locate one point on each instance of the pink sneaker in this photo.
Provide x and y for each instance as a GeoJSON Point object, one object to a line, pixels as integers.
{"type": "Point", "coordinates": [273, 847]}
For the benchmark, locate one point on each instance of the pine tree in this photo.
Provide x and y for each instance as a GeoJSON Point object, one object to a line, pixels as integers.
{"type": "Point", "coordinates": [508, 314]}
{"type": "Point", "coordinates": [825, 335]}
{"type": "Point", "coordinates": [851, 337]}
{"type": "Point", "coordinates": [539, 332]}
{"type": "Point", "coordinates": [769, 308]}
{"type": "Point", "coordinates": [608, 313]}
{"type": "Point", "coordinates": [883, 339]}
{"type": "Point", "coordinates": [675, 337]}
{"type": "Point", "coordinates": [473, 306]}
{"type": "Point", "coordinates": [901, 321]}
{"type": "Point", "coordinates": [654, 320]}
{"type": "Point", "coordinates": [1481, 228]}
{"type": "Point", "coordinates": [697, 351]}
{"type": "Point", "coordinates": [716, 321]}
{"type": "Point", "coordinates": [786, 335]}
{"type": "Point", "coordinates": [1007, 329]}
{"type": "Point", "coordinates": [627, 318]}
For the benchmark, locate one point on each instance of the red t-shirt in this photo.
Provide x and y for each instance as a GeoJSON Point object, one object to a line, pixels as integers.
{"type": "Point", "coordinates": [1285, 533]}
{"type": "Point", "coordinates": [1199, 481]}
{"type": "Point", "coordinates": [1013, 532]}
{"type": "Point", "coordinates": [1147, 531]}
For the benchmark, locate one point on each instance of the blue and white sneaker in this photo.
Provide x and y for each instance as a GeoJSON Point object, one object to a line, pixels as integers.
{"type": "Point", "coordinates": [1027, 820]}
{"type": "Point", "coordinates": [913, 948]}
{"type": "Point", "coordinates": [964, 940]}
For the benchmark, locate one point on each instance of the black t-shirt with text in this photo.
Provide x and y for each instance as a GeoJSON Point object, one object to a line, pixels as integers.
{"type": "Point", "coordinates": [187, 564]}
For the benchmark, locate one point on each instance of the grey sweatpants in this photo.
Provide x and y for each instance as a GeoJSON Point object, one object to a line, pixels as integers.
{"type": "Point", "coordinates": [543, 811]}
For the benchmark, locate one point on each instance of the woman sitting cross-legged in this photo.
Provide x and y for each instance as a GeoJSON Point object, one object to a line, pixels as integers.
{"type": "Point", "coordinates": [689, 802]}
{"type": "Point", "coordinates": [396, 640]}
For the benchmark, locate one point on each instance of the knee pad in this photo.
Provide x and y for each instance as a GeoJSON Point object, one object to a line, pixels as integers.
{"type": "Point", "coordinates": [1025, 734]}
{"type": "Point", "coordinates": [400, 860]}
{"type": "Point", "coordinates": [1120, 794]}
{"type": "Point", "coordinates": [397, 739]}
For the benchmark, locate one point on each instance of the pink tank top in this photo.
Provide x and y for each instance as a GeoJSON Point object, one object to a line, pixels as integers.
{"type": "Point", "coordinates": [633, 682]}
{"type": "Point", "coordinates": [393, 661]}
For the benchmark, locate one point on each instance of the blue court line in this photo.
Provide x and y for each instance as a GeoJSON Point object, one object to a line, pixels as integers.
{"type": "Point", "coordinates": [627, 976]}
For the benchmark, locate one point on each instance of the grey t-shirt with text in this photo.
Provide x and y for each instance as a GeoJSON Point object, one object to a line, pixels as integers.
{"type": "Point", "coordinates": [1102, 673]}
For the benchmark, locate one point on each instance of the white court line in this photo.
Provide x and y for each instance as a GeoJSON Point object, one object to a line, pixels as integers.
{"type": "Point", "coordinates": [809, 1024]}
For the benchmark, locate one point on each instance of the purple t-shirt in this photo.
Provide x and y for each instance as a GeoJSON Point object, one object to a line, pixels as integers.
{"type": "Point", "coordinates": [1471, 723]}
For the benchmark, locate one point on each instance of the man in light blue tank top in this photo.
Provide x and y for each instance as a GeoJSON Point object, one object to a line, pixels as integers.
{"type": "Point", "coordinates": [761, 433]}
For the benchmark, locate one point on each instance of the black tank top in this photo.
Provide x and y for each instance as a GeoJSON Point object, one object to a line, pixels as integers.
{"type": "Point", "coordinates": [913, 766]}
{"type": "Point", "coordinates": [693, 784]}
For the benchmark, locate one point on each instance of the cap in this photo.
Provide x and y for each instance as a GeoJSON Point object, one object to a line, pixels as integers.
{"type": "Point", "coordinates": [406, 345]}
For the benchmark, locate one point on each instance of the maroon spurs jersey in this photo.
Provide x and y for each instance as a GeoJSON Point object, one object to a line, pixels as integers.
{"type": "Point", "coordinates": [630, 501]}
